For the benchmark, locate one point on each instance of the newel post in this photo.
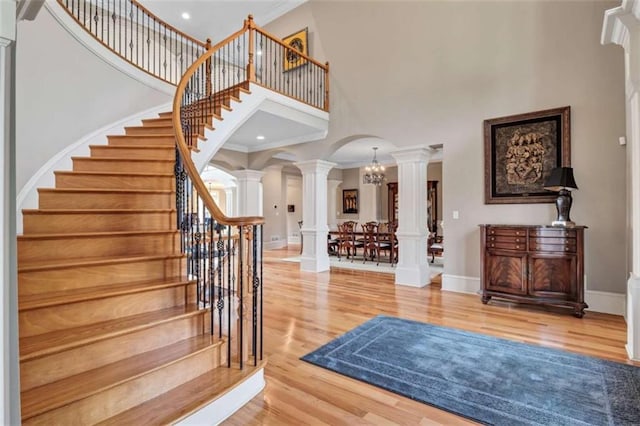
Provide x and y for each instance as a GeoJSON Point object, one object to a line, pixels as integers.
{"type": "Point", "coordinates": [208, 87]}
{"type": "Point", "coordinates": [251, 68]}
{"type": "Point", "coordinates": [326, 87]}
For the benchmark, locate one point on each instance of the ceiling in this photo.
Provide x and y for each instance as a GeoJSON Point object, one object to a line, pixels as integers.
{"type": "Point", "coordinates": [277, 131]}
{"type": "Point", "coordinates": [217, 19]}
{"type": "Point", "coordinates": [359, 153]}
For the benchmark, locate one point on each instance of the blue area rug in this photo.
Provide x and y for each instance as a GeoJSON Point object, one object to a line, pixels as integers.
{"type": "Point", "coordinates": [486, 379]}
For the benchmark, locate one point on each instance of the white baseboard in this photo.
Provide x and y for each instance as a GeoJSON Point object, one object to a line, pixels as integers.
{"type": "Point", "coordinates": [293, 240]}
{"type": "Point", "coordinates": [460, 284]}
{"type": "Point", "coordinates": [272, 245]}
{"type": "Point", "coordinates": [605, 302]}
{"type": "Point", "coordinates": [598, 301]}
{"type": "Point", "coordinates": [223, 407]}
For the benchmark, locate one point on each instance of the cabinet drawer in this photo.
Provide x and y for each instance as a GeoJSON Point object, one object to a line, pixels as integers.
{"type": "Point", "coordinates": [566, 248]}
{"type": "Point", "coordinates": [552, 232]}
{"type": "Point", "coordinates": [552, 240]}
{"type": "Point", "coordinates": [507, 245]}
{"type": "Point", "coordinates": [506, 231]}
{"type": "Point", "coordinates": [506, 239]}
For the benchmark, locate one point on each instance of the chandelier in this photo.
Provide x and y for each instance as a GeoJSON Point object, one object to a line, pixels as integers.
{"type": "Point", "coordinates": [374, 172]}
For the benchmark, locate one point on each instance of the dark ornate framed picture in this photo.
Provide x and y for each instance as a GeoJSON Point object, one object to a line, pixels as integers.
{"type": "Point", "coordinates": [519, 153]}
{"type": "Point", "coordinates": [350, 201]}
{"type": "Point", "coordinates": [296, 43]}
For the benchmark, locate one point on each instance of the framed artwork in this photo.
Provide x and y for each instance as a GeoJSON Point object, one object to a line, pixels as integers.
{"type": "Point", "coordinates": [350, 201]}
{"type": "Point", "coordinates": [296, 42]}
{"type": "Point", "coordinates": [519, 153]}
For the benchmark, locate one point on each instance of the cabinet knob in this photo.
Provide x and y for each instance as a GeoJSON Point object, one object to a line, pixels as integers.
{"type": "Point", "coordinates": [517, 233]}
{"type": "Point", "coordinates": [566, 249]}
{"type": "Point", "coordinates": [517, 247]}
{"type": "Point", "coordinates": [493, 232]}
{"type": "Point", "coordinates": [517, 240]}
{"type": "Point", "coordinates": [492, 238]}
{"type": "Point", "coordinates": [493, 245]}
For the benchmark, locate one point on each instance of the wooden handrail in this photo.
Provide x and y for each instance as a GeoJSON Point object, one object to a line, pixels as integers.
{"type": "Point", "coordinates": [168, 25]}
{"type": "Point", "coordinates": [185, 152]}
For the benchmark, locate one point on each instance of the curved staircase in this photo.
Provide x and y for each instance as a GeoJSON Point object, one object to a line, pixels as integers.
{"type": "Point", "coordinates": [139, 301]}
{"type": "Point", "coordinates": [106, 324]}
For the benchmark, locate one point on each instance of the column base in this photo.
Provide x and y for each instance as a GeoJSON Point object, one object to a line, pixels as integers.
{"type": "Point", "coordinates": [413, 276]}
{"type": "Point", "coordinates": [633, 318]}
{"type": "Point", "coordinates": [312, 264]}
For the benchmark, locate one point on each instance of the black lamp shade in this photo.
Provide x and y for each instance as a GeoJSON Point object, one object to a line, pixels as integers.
{"type": "Point", "coordinates": [561, 178]}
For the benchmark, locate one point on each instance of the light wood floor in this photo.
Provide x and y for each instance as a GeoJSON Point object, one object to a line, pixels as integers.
{"type": "Point", "coordinates": [304, 311]}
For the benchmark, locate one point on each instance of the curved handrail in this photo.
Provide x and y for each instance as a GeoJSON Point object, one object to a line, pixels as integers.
{"type": "Point", "coordinates": [185, 151]}
{"type": "Point", "coordinates": [137, 36]}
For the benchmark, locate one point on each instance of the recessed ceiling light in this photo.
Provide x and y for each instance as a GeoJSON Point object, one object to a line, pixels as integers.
{"type": "Point", "coordinates": [259, 52]}
{"type": "Point", "coordinates": [185, 15]}
{"type": "Point", "coordinates": [260, 137]}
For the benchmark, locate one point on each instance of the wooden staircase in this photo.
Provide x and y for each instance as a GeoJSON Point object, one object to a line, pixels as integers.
{"type": "Point", "coordinates": [109, 327]}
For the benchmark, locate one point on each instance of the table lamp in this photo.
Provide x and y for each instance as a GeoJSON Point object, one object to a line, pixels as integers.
{"type": "Point", "coordinates": [561, 180]}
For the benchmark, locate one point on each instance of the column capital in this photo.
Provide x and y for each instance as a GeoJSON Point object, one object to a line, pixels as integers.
{"type": "Point", "coordinates": [248, 175]}
{"type": "Point", "coordinates": [412, 154]}
{"type": "Point", "coordinates": [315, 166]}
{"type": "Point", "coordinates": [619, 22]}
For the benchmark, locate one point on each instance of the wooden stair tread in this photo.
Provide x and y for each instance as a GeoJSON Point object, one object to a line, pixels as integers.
{"type": "Point", "coordinates": [62, 297]}
{"type": "Point", "coordinates": [133, 174]}
{"type": "Point", "coordinates": [57, 341]}
{"type": "Point", "coordinates": [141, 146]}
{"type": "Point", "coordinates": [53, 395]}
{"type": "Point", "coordinates": [93, 234]}
{"type": "Point", "coordinates": [89, 261]}
{"type": "Point", "coordinates": [141, 160]}
{"type": "Point", "coordinates": [96, 211]}
{"type": "Point", "coordinates": [186, 399]}
{"type": "Point", "coordinates": [138, 136]}
{"type": "Point", "coordinates": [107, 190]}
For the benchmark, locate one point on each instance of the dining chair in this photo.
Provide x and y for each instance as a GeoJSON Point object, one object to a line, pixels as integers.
{"type": "Point", "coordinates": [348, 240]}
{"type": "Point", "coordinates": [370, 242]}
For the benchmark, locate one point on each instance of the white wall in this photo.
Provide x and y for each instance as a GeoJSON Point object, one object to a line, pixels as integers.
{"type": "Point", "coordinates": [444, 67]}
{"type": "Point", "coordinates": [65, 92]}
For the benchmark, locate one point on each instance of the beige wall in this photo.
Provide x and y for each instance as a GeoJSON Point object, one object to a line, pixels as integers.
{"type": "Point", "coordinates": [275, 208]}
{"type": "Point", "coordinates": [294, 196]}
{"type": "Point", "coordinates": [444, 67]}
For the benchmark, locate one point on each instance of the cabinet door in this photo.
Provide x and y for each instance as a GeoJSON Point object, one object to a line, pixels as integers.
{"type": "Point", "coordinates": [553, 276]}
{"type": "Point", "coordinates": [506, 272]}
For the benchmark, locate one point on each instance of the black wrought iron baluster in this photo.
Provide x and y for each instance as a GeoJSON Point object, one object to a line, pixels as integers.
{"type": "Point", "coordinates": [261, 292]}
{"type": "Point", "coordinates": [230, 287]}
{"type": "Point", "coordinates": [255, 284]}
{"type": "Point", "coordinates": [240, 294]}
{"type": "Point", "coordinates": [102, 21]}
{"type": "Point", "coordinates": [220, 270]}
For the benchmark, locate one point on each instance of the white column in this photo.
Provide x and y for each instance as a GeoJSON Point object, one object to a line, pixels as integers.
{"type": "Point", "coordinates": [231, 201]}
{"type": "Point", "coordinates": [413, 268]}
{"type": "Point", "coordinates": [314, 215]}
{"type": "Point", "coordinates": [622, 26]}
{"type": "Point", "coordinates": [249, 192]}
{"type": "Point", "coordinates": [10, 372]}
{"type": "Point", "coordinates": [332, 205]}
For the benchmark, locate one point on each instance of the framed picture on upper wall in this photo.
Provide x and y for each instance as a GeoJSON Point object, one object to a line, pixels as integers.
{"type": "Point", "coordinates": [296, 43]}
{"type": "Point", "coordinates": [519, 153]}
{"type": "Point", "coordinates": [350, 201]}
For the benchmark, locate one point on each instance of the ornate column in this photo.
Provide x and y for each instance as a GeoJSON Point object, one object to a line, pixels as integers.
{"type": "Point", "coordinates": [10, 372]}
{"type": "Point", "coordinates": [332, 205]}
{"type": "Point", "coordinates": [412, 268]}
{"type": "Point", "coordinates": [249, 192]}
{"type": "Point", "coordinates": [314, 215]}
{"type": "Point", "coordinates": [622, 26]}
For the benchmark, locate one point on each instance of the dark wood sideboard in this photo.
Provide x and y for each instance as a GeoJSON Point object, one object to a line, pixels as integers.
{"type": "Point", "coordinates": [533, 264]}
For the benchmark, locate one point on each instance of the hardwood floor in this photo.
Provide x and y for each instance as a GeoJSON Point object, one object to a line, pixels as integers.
{"type": "Point", "coordinates": [304, 311]}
